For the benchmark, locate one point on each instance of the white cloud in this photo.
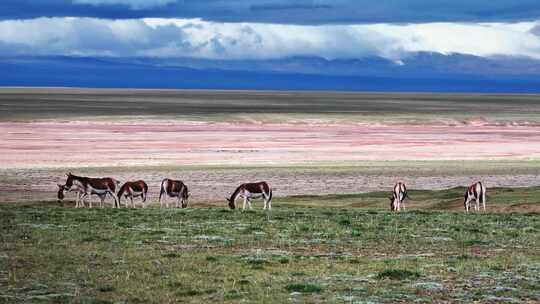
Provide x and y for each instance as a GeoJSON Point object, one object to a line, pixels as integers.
{"type": "Point", "coordinates": [134, 4]}
{"type": "Point", "coordinates": [213, 40]}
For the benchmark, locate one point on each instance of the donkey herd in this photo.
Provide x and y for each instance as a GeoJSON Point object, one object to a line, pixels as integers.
{"type": "Point", "coordinates": [83, 187]}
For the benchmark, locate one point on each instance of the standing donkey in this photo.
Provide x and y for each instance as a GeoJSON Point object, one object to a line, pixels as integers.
{"type": "Point", "coordinates": [174, 188]}
{"type": "Point", "coordinates": [85, 186]}
{"type": "Point", "coordinates": [399, 194]}
{"type": "Point", "coordinates": [250, 191]}
{"type": "Point", "coordinates": [476, 192]}
{"type": "Point", "coordinates": [133, 189]}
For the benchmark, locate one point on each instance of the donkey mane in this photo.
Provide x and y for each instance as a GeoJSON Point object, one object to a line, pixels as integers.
{"type": "Point", "coordinates": [235, 193]}
{"type": "Point", "coordinates": [122, 190]}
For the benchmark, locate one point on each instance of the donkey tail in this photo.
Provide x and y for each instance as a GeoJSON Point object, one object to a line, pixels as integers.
{"type": "Point", "coordinates": [162, 189]}
{"type": "Point", "coordinates": [145, 187]}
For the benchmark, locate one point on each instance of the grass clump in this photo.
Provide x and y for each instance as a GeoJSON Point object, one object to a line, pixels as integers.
{"type": "Point", "coordinates": [284, 260]}
{"type": "Point", "coordinates": [211, 258]}
{"type": "Point", "coordinates": [398, 274]}
{"type": "Point", "coordinates": [304, 287]}
{"type": "Point", "coordinates": [106, 288]}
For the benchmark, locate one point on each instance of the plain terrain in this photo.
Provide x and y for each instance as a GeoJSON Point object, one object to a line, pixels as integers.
{"type": "Point", "coordinates": [47, 103]}
{"type": "Point", "coordinates": [336, 248]}
{"type": "Point", "coordinates": [332, 159]}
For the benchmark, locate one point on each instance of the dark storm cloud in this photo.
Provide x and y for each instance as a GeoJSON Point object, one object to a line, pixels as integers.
{"type": "Point", "coordinates": [281, 11]}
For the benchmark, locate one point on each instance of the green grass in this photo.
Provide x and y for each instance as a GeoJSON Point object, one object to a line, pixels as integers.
{"type": "Point", "coordinates": [308, 249]}
{"type": "Point", "coordinates": [500, 199]}
{"type": "Point", "coordinates": [398, 274]}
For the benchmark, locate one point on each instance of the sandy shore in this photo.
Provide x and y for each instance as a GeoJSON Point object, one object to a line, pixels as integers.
{"type": "Point", "coordinates": [152, 142]}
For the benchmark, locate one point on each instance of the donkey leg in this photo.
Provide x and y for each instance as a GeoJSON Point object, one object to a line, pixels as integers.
{"type": "Point", "coordinates": [77, 200]}
{"type": "Point", "coordinates": [244, 205]}
{"type": "Point", "coordinates": [249, 204]}
{"type": "Point", "coordinates": [116, 200]}
{"type": "Point", "coordinates": [82, 202]}
{"type": "Point", "coordinates": [265, 201]}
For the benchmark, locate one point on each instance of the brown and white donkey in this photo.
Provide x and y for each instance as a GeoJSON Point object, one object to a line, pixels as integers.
{"type": "Point", "coordinates": [399, 194]}
{"type": "Point", "coordinates": [476, 192]}
{"type": "Point", "coordinates": [85, 186]}
{"type": "Point", "coordinates": [133, 189]}
{"type": "Point", "coordinates": [174, 188]}
{"type": "Point", "coordinates": [250, 191]}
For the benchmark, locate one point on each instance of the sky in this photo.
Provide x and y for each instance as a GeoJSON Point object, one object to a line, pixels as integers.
{"type": "Point", "coordinates": [493, 43]}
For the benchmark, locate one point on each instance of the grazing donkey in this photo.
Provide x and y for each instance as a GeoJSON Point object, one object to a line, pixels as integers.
{"type": "Point", "coordinates": [85, 186]}
{"type": "Point", "coordinates": [476, 192]}
{"type": "Point", "coordinates": [399, 194]}
{"type": "Point", "coordinates": [252, 191]}
{"type": "Point", "coordinates": [133, 189]}
{"type": "Point", "coordinates": [174, 188]}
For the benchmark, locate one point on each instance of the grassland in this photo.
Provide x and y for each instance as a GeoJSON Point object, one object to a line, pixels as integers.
{"type": "Point", "coordinates": [336, 248]}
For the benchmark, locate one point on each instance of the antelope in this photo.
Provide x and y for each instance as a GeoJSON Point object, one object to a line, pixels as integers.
{"type": "Point", "coordinates": [174, 188]}
{"type": "Point", "coordinates": [398, 197]}
{"type": "Point", "coordinates": [133, 189]}
{"type": "Point", "coordinates": [476, 192]}
{"type": "Point", "coordinates": [85, 186]}
{"type": "Point", "coordinates": [250, 191]}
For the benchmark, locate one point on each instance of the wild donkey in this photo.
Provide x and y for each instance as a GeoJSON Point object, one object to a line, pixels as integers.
{"type": "Point", "coordinates": [476, 192]}
{"type": "Point", "coordinates": [174, 188]}
{"type": "Point", "coordinates": [252, 191]}
{"type": "Point", "coordinates": [133, 189]}
{"type": "Point", "coordinates": [398, 197]}
{"type": "Point", "coordinates": [85, 186]}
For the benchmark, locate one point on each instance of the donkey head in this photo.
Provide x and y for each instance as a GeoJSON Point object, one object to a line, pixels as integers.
{"type": "Point", "coordinates": [231, 203]}
{"type": "Point", "coordinates": [185, 201]}
{"type": "Point", "coordinates": [69, 181]}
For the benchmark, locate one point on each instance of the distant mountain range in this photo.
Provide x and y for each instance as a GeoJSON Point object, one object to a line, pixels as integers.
{"type": "Point", "coordinates": [423, 72]}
